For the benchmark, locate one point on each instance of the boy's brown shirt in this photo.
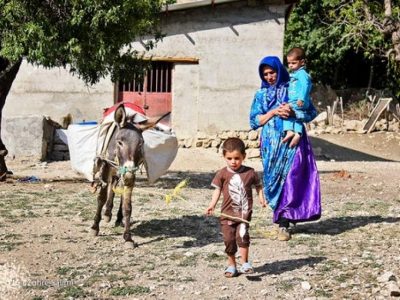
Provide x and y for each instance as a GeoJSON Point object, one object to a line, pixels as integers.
{"type": "Point", "coordinates": [236, 188]}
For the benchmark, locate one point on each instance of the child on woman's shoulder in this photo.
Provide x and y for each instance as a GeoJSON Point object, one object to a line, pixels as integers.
{"type": "Point", "coordinates": [235, 183]}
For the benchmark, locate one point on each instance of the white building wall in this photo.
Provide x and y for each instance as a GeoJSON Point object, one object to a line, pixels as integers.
{"type": "Point", "coordinates": [56, 93]}
{"type": "Point", "coordinates": [229, 41]}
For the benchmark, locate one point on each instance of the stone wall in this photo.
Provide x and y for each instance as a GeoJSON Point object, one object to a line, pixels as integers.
{"type": "Point", "coordinates": [319, 125]}
{"type": "Point", "coordinates": [215, 141]}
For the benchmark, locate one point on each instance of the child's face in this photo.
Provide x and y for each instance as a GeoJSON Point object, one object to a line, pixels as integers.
{"type": "Point", "coordinates": [234, 159]}
{"type": "Point", "coordinates": [294, 63]}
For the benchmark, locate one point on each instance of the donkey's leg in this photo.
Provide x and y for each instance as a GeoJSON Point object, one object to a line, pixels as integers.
{"type": "Point", "coordinates": [101, 199]}
{"type": "Point", "coordinates": [110, 201]}
{"type": "Point", "coordinates": [120, 215]}
{"type": "Point", "coordinates": [127, 211]}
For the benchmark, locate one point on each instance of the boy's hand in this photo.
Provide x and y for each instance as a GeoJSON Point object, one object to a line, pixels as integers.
{"type": "Point", "coordinates": [210, 211]}
{"type": "Point", "coordinates": [300, 103]}
{"type": "Point", "coordinates": [263, 203]}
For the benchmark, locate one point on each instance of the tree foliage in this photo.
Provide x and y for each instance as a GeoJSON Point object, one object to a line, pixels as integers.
{"type": "Point", "coordinates": [331, 29]}
{"type": "Point", "coordinates": [92, 37]}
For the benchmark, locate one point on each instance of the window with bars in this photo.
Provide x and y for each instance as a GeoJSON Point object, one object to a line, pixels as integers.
{"type": "Point", "coordinates": [156, 80]}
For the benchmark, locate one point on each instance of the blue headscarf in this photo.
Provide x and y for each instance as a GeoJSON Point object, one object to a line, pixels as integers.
{"type": "Point", "coordinates": [276, 94]}
{"type": "Point", "coordinates": [275, 63]}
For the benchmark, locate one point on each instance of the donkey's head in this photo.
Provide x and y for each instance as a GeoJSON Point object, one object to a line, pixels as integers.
{"type": "Point", "coordinates": [128, 146]}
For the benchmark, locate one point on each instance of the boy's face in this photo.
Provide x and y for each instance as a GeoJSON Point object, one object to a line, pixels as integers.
{"type": "Point", "coordinates": [234, 159]}
{"type": "Point", "coordinates": [294, 63]}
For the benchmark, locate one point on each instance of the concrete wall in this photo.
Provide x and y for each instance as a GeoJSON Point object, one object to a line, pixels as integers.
{"type": "Point", "coordinates": [55, 93]}
{"type": "Point", "coordinates": [229, 41]}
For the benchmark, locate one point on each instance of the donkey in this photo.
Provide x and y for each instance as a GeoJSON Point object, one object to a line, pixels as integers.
{"type": "Point", "coordinates": [123, 156]}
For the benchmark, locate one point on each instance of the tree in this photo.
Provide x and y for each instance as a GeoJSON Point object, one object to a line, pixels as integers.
{"type": "Point", "coordinates": [330, 29]}
{"type": "Point", "coordinates": [92, 37]}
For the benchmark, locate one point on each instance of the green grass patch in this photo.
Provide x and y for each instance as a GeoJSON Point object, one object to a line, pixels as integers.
{"type": "Point", "coordinates": [189, 261]}
{"type": "Point", "coordinates": [352, 206]}
{"type": "Point", "coordinates": [9, 246]}
{"type": "Point", "coordinates": [322, 293]}
{"type": "Point", "coordinates": [343, 277]}
{"type": "Point", "coordinates": [74, 292]}
{"type": "Point", "coordinates": [148, 267]}
{"type": "Point", "coordinates": [129, 290]}
{"type": "Point", "coordinates": [64, 270]}
{"type": "Point", "coordinates": [211, 257]}
{"type": "Point", "coordinates": [285, 285]}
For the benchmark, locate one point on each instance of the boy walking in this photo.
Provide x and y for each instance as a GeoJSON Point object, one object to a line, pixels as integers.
{"type": "Point", "coordinates": [235, 183]}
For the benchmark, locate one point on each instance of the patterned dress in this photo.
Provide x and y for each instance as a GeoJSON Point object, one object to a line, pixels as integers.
{"type": "Point", "coordinates": [291, 180]}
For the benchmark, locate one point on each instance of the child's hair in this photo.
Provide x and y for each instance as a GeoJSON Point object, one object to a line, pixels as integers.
{"type": "Point", "coordinates": [233, 144]}
{"type": "Point", "coordinates": [297, 52]}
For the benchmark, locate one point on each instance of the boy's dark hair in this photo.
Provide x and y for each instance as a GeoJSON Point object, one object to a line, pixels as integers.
{"type": "Point", "coordinates": [297, 52]}
{"type": "Point", "coordinates": [233, 144]}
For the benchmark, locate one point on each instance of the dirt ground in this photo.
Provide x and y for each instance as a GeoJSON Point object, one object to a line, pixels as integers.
{"type": "Point", "coordinates": [47, 251]}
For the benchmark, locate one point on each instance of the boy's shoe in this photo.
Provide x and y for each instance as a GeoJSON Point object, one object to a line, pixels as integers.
{"type": "Point", "coordinates": [246, 268]}
{"type": "Point", "coordinates": [230, 272]}
{"type": "Point", "coordinates": [284, 234]}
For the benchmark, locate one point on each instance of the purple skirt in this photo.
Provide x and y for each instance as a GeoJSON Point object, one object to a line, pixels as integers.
{"type": "Point", "coordinates": [300, 199]}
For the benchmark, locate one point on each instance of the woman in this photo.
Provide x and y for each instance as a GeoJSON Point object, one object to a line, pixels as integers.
{"type": "Point", "coordinates": [291, 181]}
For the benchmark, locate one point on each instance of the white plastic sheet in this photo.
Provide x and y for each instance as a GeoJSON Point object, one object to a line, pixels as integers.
{"type": "Point", "coordinates": [82, 144]}
{"type": "Point", "coordinates": [160, 149]}
{"type": "Point", "coordinates": [85, 141]}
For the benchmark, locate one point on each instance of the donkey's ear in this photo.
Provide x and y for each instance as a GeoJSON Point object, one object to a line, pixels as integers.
{"type": "Point", "coordinates": [120, 116]}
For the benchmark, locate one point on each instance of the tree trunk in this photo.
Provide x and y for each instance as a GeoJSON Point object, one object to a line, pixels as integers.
{"type": "Point", "coordinates": [388, 8]}
{"type": "Point", "coordinates": [8, 71]}
{"type": "Point", "coordinates": [392, 29]}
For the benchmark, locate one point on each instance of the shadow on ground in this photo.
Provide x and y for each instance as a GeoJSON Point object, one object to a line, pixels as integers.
{"type": "Point", "coordinates": [338, 225]}
{"type": "Point", "coordinates": [279, 267]}
{"type": "Point", "coordinates": [202, 230]}
{"type": "Point", "coordinates": [330, 151]}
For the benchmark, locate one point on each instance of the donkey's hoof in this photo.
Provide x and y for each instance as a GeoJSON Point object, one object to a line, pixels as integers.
{"type": "Point", "coordinates": [107, 218]}
{"type": "Point", "coordinates": [95, 232]}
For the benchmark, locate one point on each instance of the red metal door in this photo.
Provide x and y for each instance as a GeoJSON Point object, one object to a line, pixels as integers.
{"type": "Point", "coordinates": [154, 94]}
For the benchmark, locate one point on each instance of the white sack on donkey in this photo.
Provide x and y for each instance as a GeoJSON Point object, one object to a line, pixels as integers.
{"type": "Point", "coordinates": [87, 141]}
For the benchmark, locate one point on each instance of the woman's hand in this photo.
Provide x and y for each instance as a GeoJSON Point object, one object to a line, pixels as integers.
{"type": "Point", "coordinates": [284, 111]}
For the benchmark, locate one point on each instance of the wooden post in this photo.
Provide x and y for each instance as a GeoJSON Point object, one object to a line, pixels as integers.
{"type": "Point", "coordinates": [341, 109]}
{"type": "Point", "coordinates": [328, 109]}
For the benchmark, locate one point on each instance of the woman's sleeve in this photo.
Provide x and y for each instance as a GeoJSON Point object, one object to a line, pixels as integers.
{"type": "Point", "coordinates": [256, 110]}
{"type": "Point", "coordinates": [306, 116]}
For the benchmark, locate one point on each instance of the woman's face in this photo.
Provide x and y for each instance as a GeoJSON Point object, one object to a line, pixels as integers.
{"type": "Point", "coordinates": [269, 75]}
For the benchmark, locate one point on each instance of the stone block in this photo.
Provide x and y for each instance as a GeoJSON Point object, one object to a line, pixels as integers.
{"type": "Point", "coordinates": [188, 143]}
{"type": "Point", "coordinates": [201, 135]}
{"type": "Point", "coordinates": [254, 144]}
{"type": "Point", "coordinates": [243, 135]}
{"type": "Point", "coordinates": [215, 143]}
{"type": "Point", "coordinates": [253, 153]}
{"type": "Point", "coordinates": [28, 136]}
{"type": "Point", "coordinates": [253, 135]}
